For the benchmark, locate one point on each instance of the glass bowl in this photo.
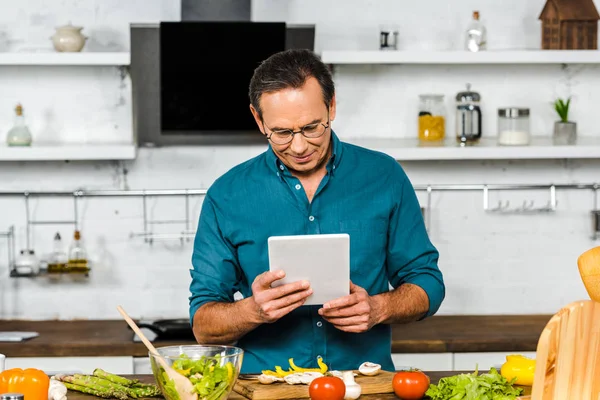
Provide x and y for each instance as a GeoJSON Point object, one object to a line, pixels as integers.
{"type": "Point", "coordinates": [211, 369]}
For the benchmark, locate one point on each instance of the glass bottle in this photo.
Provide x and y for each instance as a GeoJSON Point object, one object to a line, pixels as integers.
{"type": "Point", "coordinates": [58, 259]}
{"type": "Point", "coordinates": [19, 134]}
{"type": "Point", "coordinates": [476, 35]}
{"type": "Point", "coordinates": [432, 119]}
{"type": "Point", "coordinates": [78, 262]}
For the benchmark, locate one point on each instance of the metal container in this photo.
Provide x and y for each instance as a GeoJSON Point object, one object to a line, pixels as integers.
{"type": "Point", "coordinates": [12, 396]}
{"type": "Point", "coordinates": [595, 224]}
{"type": "Point", "coordinates": [468, 117]}
{"type": "Point", "coordinates": [513, 126]}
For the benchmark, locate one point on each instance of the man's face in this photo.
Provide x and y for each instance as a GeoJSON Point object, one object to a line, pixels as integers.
{"type": "Point", "coordinates": [294, 109]}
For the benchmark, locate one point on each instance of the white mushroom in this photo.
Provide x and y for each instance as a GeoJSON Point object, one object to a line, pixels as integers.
{"type": "Point", "coordinates": [293, 379]}
{"type": "Point", "coordinates": [304, 378]}
{"type": "Point", "coordinates": [369, 368]}
{"type": "Point", "coordinates": [307, 377]}
{"type": "Point", "coordinates": [268, 379]}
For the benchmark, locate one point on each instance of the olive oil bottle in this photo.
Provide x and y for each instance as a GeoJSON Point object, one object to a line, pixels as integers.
{"type": "Point", "coordinates": [58, 259]}
{"type": "Point", "coordinates": [78, 260]}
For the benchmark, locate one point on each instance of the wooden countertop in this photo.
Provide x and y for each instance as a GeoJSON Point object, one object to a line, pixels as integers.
{"type": "Point", "coordinates": [438, 334]}
{"type": "Point", "coordinates": [434, 377]}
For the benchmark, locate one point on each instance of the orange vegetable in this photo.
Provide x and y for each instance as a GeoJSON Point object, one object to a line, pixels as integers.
{"type": "Point", "coordinates": [32, 383]}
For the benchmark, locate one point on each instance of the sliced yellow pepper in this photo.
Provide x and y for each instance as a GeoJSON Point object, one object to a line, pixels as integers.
{"type": "Point", "coordinates": [322, 366]}
{"type": "Point", "coordinates": [279, 372]}
{"type": "Point", "coordinates": [520, 368]}
{"type": "Point", "coordinates": [184, 372]}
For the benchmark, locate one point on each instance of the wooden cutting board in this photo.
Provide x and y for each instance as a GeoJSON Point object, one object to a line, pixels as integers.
{"type": "Point", "coordinates": [568, 355]}
{"type": "Point", "coordinates": [380, 383]}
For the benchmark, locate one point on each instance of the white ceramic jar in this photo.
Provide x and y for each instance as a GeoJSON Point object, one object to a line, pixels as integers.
{"type": "Point", "coordinates": [68, 38]}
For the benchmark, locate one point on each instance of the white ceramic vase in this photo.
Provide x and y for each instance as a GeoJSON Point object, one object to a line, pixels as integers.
{"type": "Point", "coordinates": [68, 38]}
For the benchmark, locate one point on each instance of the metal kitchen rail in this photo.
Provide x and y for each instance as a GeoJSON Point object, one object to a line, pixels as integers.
{"type": "Point", "coordinates": [504, 208]}
{"type": "Point", "coordinates": [187, 234]}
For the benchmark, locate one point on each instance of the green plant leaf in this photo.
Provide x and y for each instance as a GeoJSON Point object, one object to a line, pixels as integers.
{"type": "Point", "coordinates": [562, 108]}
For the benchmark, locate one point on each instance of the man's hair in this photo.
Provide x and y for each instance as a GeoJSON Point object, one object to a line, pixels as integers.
{"type": "Point", "coordinates": [290, 69]}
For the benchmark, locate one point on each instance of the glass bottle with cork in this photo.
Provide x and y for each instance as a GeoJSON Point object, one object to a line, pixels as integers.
{"type": "Point", "coordinates": [476, 35]}
{"type": "Point", "coordinates": [58, 259]}
{"type": "Point", "coordinates": [19, 134]}
{"type": "Point", "coordinates": [78, 260]}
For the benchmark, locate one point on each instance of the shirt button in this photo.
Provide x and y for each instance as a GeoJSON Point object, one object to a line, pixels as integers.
{"type": "Point", "coordinates": [334, 167]}
{"type": "Point", "coordinates": [311, 218]}
{"type": "Point", "coordinates": [298, 187]}
{"type": "Point", "coordinates": [281, 167]}
{"type": "Point", "coordinates": [319, 324]}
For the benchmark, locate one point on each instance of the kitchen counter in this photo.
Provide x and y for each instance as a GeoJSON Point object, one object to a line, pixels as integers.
{"type": "Point", "coordinates": [438, 334]}
{"type": "Point", "coordinates": [434, 376]}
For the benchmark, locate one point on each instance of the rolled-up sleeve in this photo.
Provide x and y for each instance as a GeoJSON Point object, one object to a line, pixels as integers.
{"type": "Point", "coordinates": [215, 269]}
{"type": "Point", "coordinates": [411, 257]}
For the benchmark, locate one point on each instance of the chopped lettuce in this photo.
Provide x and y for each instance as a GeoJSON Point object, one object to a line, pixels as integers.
{"type": "Point", "coordinates": [211, 380]}
{"type": "Point", "coordinates": [489, 386]}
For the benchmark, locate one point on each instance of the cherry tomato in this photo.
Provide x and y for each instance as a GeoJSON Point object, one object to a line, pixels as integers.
{"type": "Point", "coordinates": [327, 388]}
{"type": "Point", "coordinates": [410, 385]}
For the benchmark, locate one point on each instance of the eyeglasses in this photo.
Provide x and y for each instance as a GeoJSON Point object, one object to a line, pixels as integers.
{"type": "Point", "coordinates": [285, 136]}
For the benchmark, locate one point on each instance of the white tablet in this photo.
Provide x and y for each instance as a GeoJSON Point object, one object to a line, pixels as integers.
{"type": "Point", "coordinates": [323, 260]}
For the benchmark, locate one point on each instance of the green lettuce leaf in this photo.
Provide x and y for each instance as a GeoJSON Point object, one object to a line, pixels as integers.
{"type": "Point", "coordinates": [488, 386]}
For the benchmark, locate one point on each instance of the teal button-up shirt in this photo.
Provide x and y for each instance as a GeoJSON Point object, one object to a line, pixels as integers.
{"type": "Point", "coordinates": [365, 194]}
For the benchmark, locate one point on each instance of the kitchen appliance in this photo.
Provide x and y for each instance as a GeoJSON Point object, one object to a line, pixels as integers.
{"type": "Point", "coordinates": [190, 79]}
{"type": "Point", "coordinates": [167, 330]}
{"type": "Point", "coordinates": [468, 117]}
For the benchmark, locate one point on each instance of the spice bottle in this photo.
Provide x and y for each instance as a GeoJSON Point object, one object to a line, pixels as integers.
{"type": "Point", "coordinates": [58, 259]}
{"type": "Point", "coordinates": [19, 134]}
{"type": "Point", "coordinates": [78, 262]}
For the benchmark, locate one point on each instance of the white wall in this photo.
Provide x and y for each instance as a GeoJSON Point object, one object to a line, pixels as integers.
{"type": "Point", "coordinates": [492, 264]}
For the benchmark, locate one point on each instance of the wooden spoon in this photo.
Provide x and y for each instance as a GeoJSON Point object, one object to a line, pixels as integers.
{"type": "Point", "coordinates": [184, 387]}
{"type": "Point", "coordinates": [589, 269]}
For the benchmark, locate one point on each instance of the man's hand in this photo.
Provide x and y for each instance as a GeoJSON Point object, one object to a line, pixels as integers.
{"type": "Point", "coordinates": [356, 313]}
{"type": "Point", "coordinates": [273, 303]}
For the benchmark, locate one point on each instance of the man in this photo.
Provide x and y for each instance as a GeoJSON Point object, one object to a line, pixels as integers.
{"type": "Point", "coordinates": [309, 182]}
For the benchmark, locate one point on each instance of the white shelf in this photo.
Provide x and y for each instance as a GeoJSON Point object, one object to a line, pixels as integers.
{"type": "Point", "coordinates": [68, 152]}
{"type": "Point", "coordinates": [487, 149]}
{"type": "Point", "coordinates": [56, 58]}
{"type": "Point", "coordinates": [462, 57]}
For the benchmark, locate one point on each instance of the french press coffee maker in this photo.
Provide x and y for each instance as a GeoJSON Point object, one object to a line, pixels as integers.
{"type": "Point", "coordinates": [468, 117]}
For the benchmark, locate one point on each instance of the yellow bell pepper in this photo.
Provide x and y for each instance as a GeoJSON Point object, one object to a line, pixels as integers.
{"type": "Point", "coordinates": [32, 383]}
{"type": "Point", "coordinates": [520, 368]}
{"type": "Point", "coordinates": [279, 372]}
{"type": "Point", "coordinates": [322, 366]}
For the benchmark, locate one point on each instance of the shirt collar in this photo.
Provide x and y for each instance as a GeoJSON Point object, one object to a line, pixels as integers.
{"type": "Point", "coordinates": [279, 168]}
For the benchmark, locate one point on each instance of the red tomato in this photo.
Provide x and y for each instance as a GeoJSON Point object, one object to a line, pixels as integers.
{"type": "Point", "coordinates": [327, 388]}
{"type": "Point", "coordinates": [410, 385]}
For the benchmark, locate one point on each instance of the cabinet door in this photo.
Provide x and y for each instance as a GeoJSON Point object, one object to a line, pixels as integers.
{"type": "Point", "coordinates": [424, 361]}
{"type": "Point", "coordinates": [484, 361]}
{"type": "Point", "coordinates": [70, 365]}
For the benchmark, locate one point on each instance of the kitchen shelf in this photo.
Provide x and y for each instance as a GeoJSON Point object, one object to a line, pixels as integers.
{"type": "Point", "coordinates": [66, 59]}
{"type": "Point", "coordinates": [487, 149]}
{"type": "Point", "coordinates": [69, 152]}
{"type": "Point", "coordinates": [462, 57]}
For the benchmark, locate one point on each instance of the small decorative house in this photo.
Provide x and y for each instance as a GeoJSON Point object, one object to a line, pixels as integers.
{"type": "Point", "coordinates": [569, 24]}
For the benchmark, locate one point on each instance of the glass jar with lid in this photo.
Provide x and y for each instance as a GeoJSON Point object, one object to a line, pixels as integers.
{"type": "Point", "coordinates": [513, 126]}
{"type": "Point", "coordinates": [432, 118]}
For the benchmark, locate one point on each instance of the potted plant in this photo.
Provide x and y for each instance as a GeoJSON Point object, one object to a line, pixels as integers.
{"type": "Point", "coordinates": [565, 131]}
